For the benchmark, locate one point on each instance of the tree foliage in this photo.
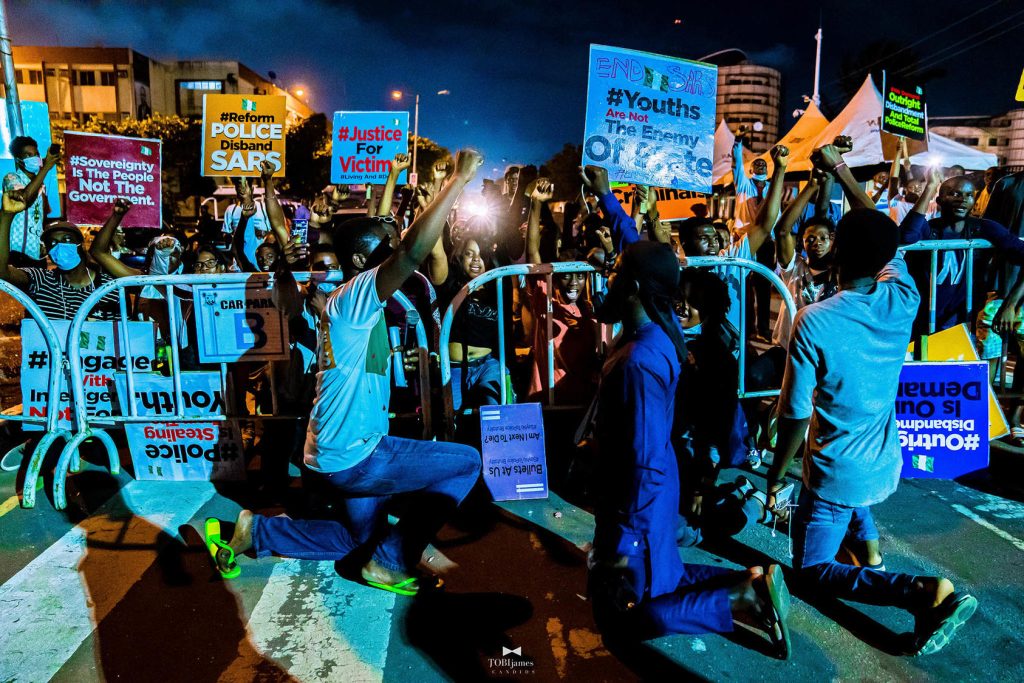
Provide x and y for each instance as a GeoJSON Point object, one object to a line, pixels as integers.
{"type": "Point", "coordinates": [308, 163]}
{"type": "Point", "coordinates": [563, 170]}
{"type": "Point", "coordinates": [427, 154]}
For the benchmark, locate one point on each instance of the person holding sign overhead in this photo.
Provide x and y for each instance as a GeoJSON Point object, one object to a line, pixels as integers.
{"type": "Point", "coordinates": [348, 450]}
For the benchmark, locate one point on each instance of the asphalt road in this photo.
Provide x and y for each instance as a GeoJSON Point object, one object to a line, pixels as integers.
{"type": "Point", "coordinates": [120, 588]}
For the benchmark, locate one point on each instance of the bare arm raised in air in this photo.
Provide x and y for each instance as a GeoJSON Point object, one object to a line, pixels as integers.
{"type": "Point", "coordinates": [400, 163]}
{"type": "Point", "coordinates": [785, 241]}
{"type": "Point", "coordinates": [769, 213]}
{"type": "Point", "coordinates": [542, 193]}
{"type": "Point", "coordinates": [100, 247]}
{"type": "Point", "coordinates": [830, 158]}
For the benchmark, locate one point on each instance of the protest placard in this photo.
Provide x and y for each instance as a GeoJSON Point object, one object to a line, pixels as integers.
{"type": "Point", "coordinates": [942, 417]}
{"type": "Point", "coordinates": [181, 451]}
{"type": "Point", "coordinates": [236, 322]}
{"type": "Point", "coordinates": [651, 118]}
{"type": "Point", "coordinates": [672, 204]}
{"type": "Point", "coordinates": [100, 168]}
{"type": "Point", "coordinates": [27, 226]}
{"type": "Point", "coordinates": [904, 111]}
{"type": "Point", "coordinates": [364, 144]}
{"type": "Point", "coordinates": [241, 131]}
{"type": "Point", "coordinates": [103, 354]}
{"type": "Point", "coordinates": [512, 445]}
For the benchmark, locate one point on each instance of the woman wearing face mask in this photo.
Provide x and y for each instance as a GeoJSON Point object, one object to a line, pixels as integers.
{"type": "Point", "coordinates": [29, 173]}
{"type": "Point", "coordinates": [59, 292]}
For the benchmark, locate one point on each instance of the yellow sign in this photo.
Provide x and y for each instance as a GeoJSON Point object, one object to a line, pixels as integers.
{"type": "Point", "coordinates": [672, 204]}
{"type": "Point", "coordinates": [956, 344]}
{"type": "Point", "coordinates": [240, 132]}
{"type": "Point", "coordinates": [1020, 89]}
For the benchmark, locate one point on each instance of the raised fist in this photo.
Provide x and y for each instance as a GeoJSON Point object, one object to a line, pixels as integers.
{"type": "Point", "coordinates": [266, 171]}
{"type": "Point", "coordinates": [780, 155]}
{"type": "Point", "coordinates": [53, 153]}
{"type": "Point", "coordinates": [466, 163]}
{"type": "Point", "coordinates": [843, 143]}
{"type": "Point", "coordinates": [595, 179]}
{"type": "Point", "coordinates": [14, 201]}
{"type": "Point", "coordinates": [400, 163]}
{"type": "Point", "coordinates": [544, 190]}
{"type": "Point", "coordinates": [122, 206]}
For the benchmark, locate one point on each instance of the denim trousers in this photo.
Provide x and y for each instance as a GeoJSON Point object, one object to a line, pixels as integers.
{"type": "Point", "coordinates": [819, 528]}
{"type": "Point", "coordinates": [477, 383]}
{"type": "Point", "coordinates": [432, 477]}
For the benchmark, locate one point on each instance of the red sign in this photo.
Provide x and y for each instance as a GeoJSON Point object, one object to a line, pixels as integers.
{"type": "Point", "coordinates": [100, 168]}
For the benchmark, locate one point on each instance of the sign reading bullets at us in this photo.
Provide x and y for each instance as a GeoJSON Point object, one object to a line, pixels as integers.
{"type": "Point", "coordinates": [242, 131]}
{"type": "Point", "coordinates": [651, 119]}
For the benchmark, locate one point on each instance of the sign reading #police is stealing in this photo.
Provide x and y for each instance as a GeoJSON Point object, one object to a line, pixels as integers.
{"type": "Point", "coordinates": [238, 322]}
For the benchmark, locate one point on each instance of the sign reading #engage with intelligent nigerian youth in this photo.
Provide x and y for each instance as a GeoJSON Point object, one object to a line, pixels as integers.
{"type": "Point", "coordinates": [651, 118]}
{"type": "Point", "coordinates": [942, 417]}
{"type": "Point", "coordinates": [512, 446]}
{"type": "Point", "coordinates": [365, 142]}
{"type": "Point", "coordinates": [239, 322]}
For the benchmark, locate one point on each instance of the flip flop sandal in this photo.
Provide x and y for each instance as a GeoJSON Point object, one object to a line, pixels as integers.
{"type": "Point", "coordinates": [779, 601]}
{"type": "Point", "coordinates": [214, 544]}
{"type": "Point", "coordinates": [952, 614]}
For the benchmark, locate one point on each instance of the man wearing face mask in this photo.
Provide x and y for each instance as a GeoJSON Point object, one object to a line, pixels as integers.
{"type": "Point", "coordinates": [60, 292]}
{"type": "Point", "coordinates": [29, 172]}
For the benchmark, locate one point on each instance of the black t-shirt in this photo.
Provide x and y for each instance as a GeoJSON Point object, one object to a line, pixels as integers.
{"type": "Point", "coordinates": [476, 321]}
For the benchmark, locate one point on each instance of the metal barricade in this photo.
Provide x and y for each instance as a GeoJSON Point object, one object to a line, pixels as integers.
{"type": "Point", "coordinates": [935, 246]}
{"type": "Point", "coordinates": [84, 425]}
{"type": "Point", "coordinates": [49, 423]}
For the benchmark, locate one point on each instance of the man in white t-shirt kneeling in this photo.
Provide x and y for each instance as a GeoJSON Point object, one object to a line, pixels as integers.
{"type": "Point", "coordinates": [348, 450]}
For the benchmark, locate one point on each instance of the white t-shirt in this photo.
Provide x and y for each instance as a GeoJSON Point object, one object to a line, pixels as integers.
{"type": "Point", "coordinates": [843, 370]}
{"type": "Point", "coordinates": [799, 280]}
{"type": "Point", "coordinates": [353, 385]}
{"type": "Point", "coordinates": [256, 229]}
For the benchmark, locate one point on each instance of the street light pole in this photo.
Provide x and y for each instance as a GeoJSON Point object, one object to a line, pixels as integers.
{"type": "Point", "coordinates": [416, 139]}
{"type": "Point", "coordinates": [14, 123]}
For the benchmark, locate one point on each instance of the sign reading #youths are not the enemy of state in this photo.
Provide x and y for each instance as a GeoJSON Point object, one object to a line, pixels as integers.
{"type": "Point", "coordinates": [242, 131]}
{"type": "Point", "coordinates": [651, 118]}
{"type": "Point", "coordinates": [100, 168]}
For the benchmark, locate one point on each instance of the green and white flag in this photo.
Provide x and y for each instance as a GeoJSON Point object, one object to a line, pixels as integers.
{"type": "Point", "coordinates": [653, 79]}
{"type": "Point", "coordinates": [923, 462]}
{"type": "Point", "coordinates": [248, 105]}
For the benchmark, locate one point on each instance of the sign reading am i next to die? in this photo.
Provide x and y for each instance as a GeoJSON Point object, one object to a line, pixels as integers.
{"type": "Point", "coordinates": [904, 111]}
{"type": "Point", "coordinates": [650, 118]}
{"type": "Point", "coordinates": [512, 446]}
{"type": "Point", "coordinates": [942, 417]}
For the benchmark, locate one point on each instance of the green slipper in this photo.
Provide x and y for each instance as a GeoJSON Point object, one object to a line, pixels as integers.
{"type": "Point", "coordinates": [399, 588]}
{"type": "Point", "coordinates": [943, 622]}
{"type": "Point", "coordinates": [778, 595]}
{"type": "Point", "coordinates": [214, 544]}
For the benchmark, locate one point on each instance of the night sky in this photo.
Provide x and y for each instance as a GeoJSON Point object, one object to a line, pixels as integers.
{"type": "Point", "coordinates": [517, 71]}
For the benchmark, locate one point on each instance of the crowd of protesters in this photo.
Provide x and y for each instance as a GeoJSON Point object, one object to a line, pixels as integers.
{"type": "Point", "coordinates": [666, 419]}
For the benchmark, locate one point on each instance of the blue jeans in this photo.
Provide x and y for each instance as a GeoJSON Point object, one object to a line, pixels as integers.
{"type": "Point", "coordinates": [439, 474]}
{"type": "Point", "coordinates": [479, 382]}
{"type": "Point", "coordinates": [819, 528]}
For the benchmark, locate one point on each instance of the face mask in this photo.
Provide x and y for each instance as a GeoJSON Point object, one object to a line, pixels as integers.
{"type": "Point", "coordinates": [161, 263]}
{"type": "Point", "coordinates": [65, 255]}
{"type": "Point", "coordinates": [692, 332]}
{"type": "Point", "coordinates": [326, 287]}
{"type": "Point", "coordinates": [32, 164]}
{"type": "Point", "coordinates": [760, 176]}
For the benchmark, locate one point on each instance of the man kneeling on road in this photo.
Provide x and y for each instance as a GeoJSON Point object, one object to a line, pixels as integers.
{"type": "Point", "coordinates": [348, 450]}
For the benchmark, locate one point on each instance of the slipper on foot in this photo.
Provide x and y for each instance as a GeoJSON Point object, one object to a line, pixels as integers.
{"type": "Point", "coordinates": [214, 545]}
{"type": "Point", "coordinates": [941, 624]}
{"type": "Point", "coordinates": [779, 604]}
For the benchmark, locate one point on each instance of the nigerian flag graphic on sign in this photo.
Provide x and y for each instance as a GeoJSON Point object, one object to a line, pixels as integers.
{"type": "Point", "coordinates": [248, 105]}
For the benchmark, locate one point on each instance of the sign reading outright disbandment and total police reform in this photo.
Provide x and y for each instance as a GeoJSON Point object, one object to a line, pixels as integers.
{"type": "Point", "coordinates": [364, 144]}
{"type": "Point", "coordinates": [240, 132]}
{"type": "Point", "coordinates": [650, 118]}
{"type": "Point", "coordinates": [942, 417]}
{"type": "Point", "coordinates": [100, 168]}
{"type": "Point", "coordinates": [904, 112]}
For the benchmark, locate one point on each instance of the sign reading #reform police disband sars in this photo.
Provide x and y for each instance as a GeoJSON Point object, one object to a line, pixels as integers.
{"type": "Point", "coordinates": [242, 131]}
{"type": "Point", "coordinates": [651, 118]}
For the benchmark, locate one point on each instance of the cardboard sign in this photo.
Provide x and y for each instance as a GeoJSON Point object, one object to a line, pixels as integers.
{"type": "Point", "coordinates": [672, 204]}
{"type": "Point", "coordinates": [904, 112]}
{"type": "Point", "coordinates": [27, 226]}
{"type": "Point", "coordinates": [103, 354]}
{"type": "Point", "coordinates": [100, 168]}
{"type": "Point", "coordinates": [364, 144]}
{"type": "Point", "coordinates": [942, 416]}
{"type": "Point", "coordinates": [956, 344]}
{"type": "Point", "coordinates": [512, 445]}
{"type": "Point", "coordinates": [181, 451]}
{"type": "Point", "coordinates": [651, 119]}
{"type": "Point", "coordinates": [238, 322]}
{"type": "Point", "coordinates": [241, 131]}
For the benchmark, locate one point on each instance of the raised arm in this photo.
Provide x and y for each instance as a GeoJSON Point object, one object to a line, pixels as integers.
{"type": "Point", "coordinates": [426, 230]}
{"type": "Point", "coordinates": [542, 193]}
{"type": "Point", "coordinates": [275, 214]}
{"type": "Point", "coordinates": [894, 171]}
{"type": "Point", "coordinates": [36, 184]}
{"type": "Point", "coordinates": [100, 247]}
{"type": "Point", "coordinates": [400, 163]}
{"type": "Point", "coordinates": [785, 241]}
{"type": "Point", "coordinates": [238, 238]}
{"type": "Point", "coordinates": [769, 213]}
{"type": "Point", "coordinates": [744, 185]}
{"type": "Point", "coordinates": [624, 231]}
{"type": "Point", "coordinates": [830, 158]}
{"type": "Point", "coordinates": [13, 204]}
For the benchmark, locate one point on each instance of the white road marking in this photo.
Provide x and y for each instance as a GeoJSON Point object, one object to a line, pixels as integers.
{"type": "Point", "coordinates": [969, 514]}
{"type": "Point", "coordinates": [47, 613]}
{"type": "Point", "coordinates": [318, 626]}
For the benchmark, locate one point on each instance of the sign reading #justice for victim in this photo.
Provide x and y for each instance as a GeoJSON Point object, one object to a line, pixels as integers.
{"type": "Point", "coordinates": [650, 118]}
{"type": "Point", "coordinates": [364, 144]}
{"type": "Point", "coordinates": [240, 132]}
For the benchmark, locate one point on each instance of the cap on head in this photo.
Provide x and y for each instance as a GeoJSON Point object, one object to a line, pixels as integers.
{"type": "Point", "coordinates": [62, 227]}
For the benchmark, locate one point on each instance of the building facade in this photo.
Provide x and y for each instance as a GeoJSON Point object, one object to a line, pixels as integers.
{"type": "Point", "coordinates": [748, 94]}
{"type": "Point", "coordinates": [83, 83]}
{"type": "Point", "coordinates": [1001, 135]}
